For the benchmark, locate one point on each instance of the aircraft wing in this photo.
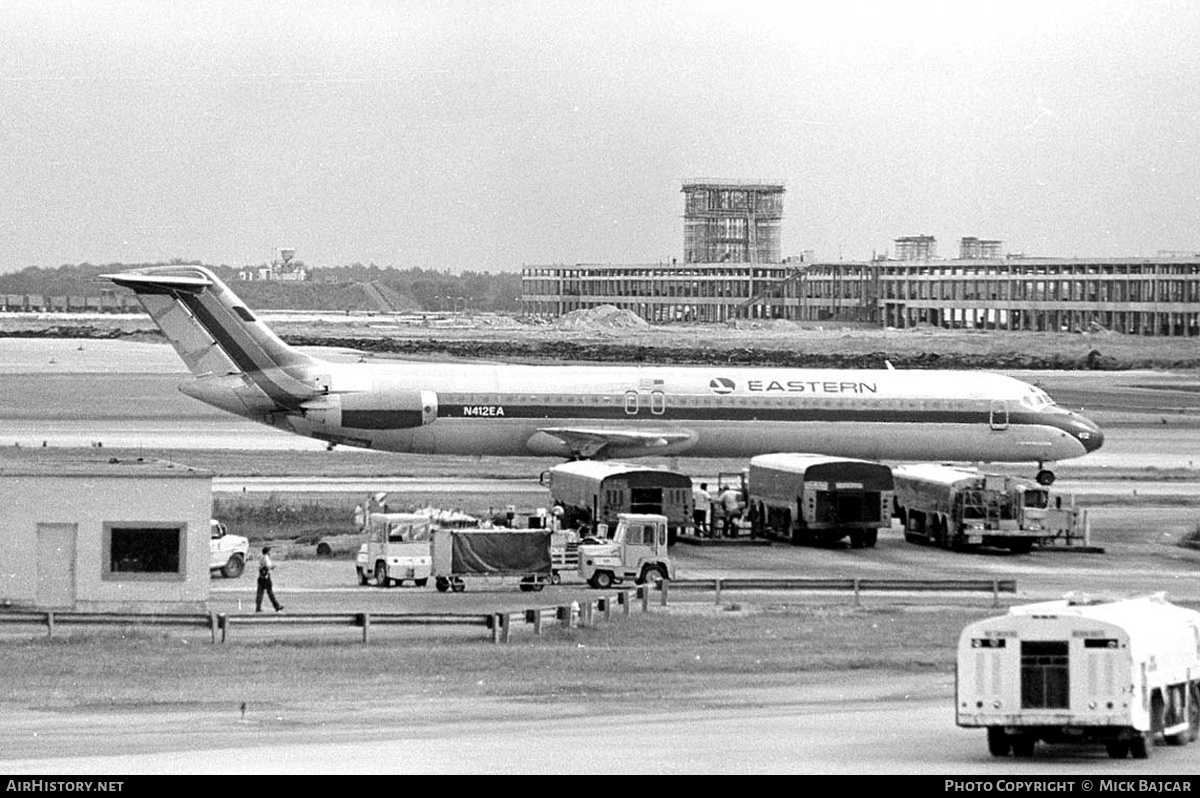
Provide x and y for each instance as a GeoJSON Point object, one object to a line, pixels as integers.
{"type": "Point", "coordinates": [593, 441]}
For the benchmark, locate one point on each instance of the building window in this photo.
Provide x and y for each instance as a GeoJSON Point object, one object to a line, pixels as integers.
{"type": "Point", "coordinates": [144, 550]}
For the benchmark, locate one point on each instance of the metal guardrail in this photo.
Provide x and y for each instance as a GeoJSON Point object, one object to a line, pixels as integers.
{"type": "Point", "coordinates": [576, 613]}
{"type": "Point", "coordinates": [993, 586]}
{"type": "Point", "coordinates": [52, 619]}
{"type": "Point", "coordinates": [499, 624]}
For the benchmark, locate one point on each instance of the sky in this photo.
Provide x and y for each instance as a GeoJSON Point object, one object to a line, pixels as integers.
{"type": "Point", "coordinates": [491, 135]}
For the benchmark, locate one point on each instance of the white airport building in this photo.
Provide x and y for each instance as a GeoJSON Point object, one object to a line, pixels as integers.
{"type": "Point", "coordinates": [103, 534]}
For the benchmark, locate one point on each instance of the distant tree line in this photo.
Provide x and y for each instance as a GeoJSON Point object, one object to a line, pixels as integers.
{"type": "Point", "coordinates": [430, 290]}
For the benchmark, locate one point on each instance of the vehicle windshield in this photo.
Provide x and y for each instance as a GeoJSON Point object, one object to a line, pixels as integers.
{"type": "Point", "coordinates": [1037, 499]}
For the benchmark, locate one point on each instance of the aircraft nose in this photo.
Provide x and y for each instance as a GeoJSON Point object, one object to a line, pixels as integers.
{"type": "Point", "coordinates": [1088, 433]}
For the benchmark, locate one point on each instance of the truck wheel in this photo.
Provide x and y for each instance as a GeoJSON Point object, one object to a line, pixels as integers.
{"type": "Point", "coordinates": [856, 539]}
{"type": "Point", "coordinates": [1194, 714]}
{"type": "Point", "coordinates": [758, 522]}
{"type": "Point", "coordinates": [233, 569]}
{"type": "Point", "coordinates": [601, 580]}
{"type": "Point", "coordinates": [381, 577]}
{"type": "Point", "coordinates": [362, 577]}
{"type": "Point", "coordinates": [421, 582]}
{"type": "Point", "coordinates": [442, 584]}
{"type": "Point", "coordinates": [998, 742]}
{"type": "Point", "coordinates": [324, 549]}
{"type": "Point", "coordinates": [1178, 695]}
{"type": "Point", "coordinates": [556, 578]}
{"type": "Point", "coordinates": [870, 538]}
{"type": "Point", "coordinates": [1117, 749]}
{"type": "Point", "coordinates": [937, 534]}
{"type": "Point", "coordinates": [1140, 746]}
{"type": "Point", "coordinates": [1022, 745]}
{"type": "Point", "coordinates": [458, 585]}
{"type": "Point", "coordinates": [651, 575]}
{"type": "Point", "coordinates": [790, 531]}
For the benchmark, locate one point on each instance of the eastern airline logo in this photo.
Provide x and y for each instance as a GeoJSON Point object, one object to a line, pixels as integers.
{"type": "Point", "coordinates": [721, 385]}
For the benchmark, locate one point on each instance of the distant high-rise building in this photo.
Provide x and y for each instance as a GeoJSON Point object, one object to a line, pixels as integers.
{"type": "Point", "coordinates": [732, 221]}
{"type": "Point", "coordinates": [916, 248]}
{"type": "Point", "coordinates": [972, 248]}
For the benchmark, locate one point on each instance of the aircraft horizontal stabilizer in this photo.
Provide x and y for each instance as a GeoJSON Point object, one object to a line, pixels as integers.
{"type": "Point", "coordinates": [154, 283]}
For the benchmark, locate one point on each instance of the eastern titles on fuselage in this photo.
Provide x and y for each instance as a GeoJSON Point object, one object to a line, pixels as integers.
{"type": "Point", "coordinates": [810, 386]}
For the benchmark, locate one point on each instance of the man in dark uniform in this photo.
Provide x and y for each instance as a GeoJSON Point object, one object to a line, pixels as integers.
{"type": "Point", "coordinates": [265, 566]}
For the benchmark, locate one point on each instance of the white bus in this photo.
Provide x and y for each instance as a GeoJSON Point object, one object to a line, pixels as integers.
{"type": "Point", "coordinates": [1121, 673]}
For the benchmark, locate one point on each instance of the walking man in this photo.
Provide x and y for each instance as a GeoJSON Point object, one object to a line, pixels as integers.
{"type": "Point", "coordinates": [265, 566]}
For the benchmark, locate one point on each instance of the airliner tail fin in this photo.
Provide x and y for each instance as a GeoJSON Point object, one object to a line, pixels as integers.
{"type": "Point", "coordinates": [216, 334]}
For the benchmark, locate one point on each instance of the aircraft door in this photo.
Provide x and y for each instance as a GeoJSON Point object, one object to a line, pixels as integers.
{"type": "Point", "coordinates": [998, 415]}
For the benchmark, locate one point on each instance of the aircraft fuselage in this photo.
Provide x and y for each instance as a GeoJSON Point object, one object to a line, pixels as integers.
{"type": "Point", "coordinates": [705, 412]}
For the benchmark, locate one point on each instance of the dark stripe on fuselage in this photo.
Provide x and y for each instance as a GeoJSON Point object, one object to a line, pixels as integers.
{"type": "Point", "coordinates": [382, 419]}
{"type": "Point", "coordinates": [683, 414]}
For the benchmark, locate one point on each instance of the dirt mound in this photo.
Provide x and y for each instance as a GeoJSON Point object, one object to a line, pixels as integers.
{"type": "Point", "coordinates": [604, 317]}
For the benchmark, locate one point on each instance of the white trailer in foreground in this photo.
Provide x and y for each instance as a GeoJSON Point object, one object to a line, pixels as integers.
{"type": "Point", "coordinates": [1119, 673]}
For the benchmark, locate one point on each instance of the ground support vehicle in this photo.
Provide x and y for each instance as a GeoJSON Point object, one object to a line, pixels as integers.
{"type": "Point", "coordinates": [564, 554]}
{"type": "Point", "coordinates": [960, 508]}
{"type": "Point", "coordinates": [397, 550]}
{"type": "Point", "coordinates": [818, 500]}
{"type": "Point", "coordinates": [1075, 671]}
{"type": "Point", "coordinates": [227, 553]}
{"type": "Point", "coordinates": [596, 491]}
{"type": "Point", "coordinates": [636, 549]}
{"type": "Point", "coordinates": [459, 554]}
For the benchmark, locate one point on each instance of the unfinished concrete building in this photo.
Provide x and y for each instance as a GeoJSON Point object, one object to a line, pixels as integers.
{"type": "Point", "coordinates": [732, 221]}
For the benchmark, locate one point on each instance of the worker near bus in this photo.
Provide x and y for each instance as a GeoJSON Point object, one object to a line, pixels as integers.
{"type": "Point", "coordinates": [731, 509]}
{"type": "Point", "coordinates": [701, 499]}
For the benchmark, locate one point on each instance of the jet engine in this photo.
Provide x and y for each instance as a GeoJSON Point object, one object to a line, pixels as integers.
{"type": "Point", "coordinates": [374, 410]}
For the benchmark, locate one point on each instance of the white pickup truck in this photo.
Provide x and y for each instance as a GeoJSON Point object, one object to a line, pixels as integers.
{"type": "Point", "coordinates": [227, 553]}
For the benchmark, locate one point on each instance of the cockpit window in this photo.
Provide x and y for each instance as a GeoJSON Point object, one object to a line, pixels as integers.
{"type": "Point", "coordinates": [1037, 399]}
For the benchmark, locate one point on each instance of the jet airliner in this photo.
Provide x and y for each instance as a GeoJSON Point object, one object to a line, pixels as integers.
{"type": "Point", "coordinates": [602, 411]}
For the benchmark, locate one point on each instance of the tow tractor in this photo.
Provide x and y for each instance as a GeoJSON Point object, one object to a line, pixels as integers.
{"type": "Point", "coordinates": [636, 549]}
